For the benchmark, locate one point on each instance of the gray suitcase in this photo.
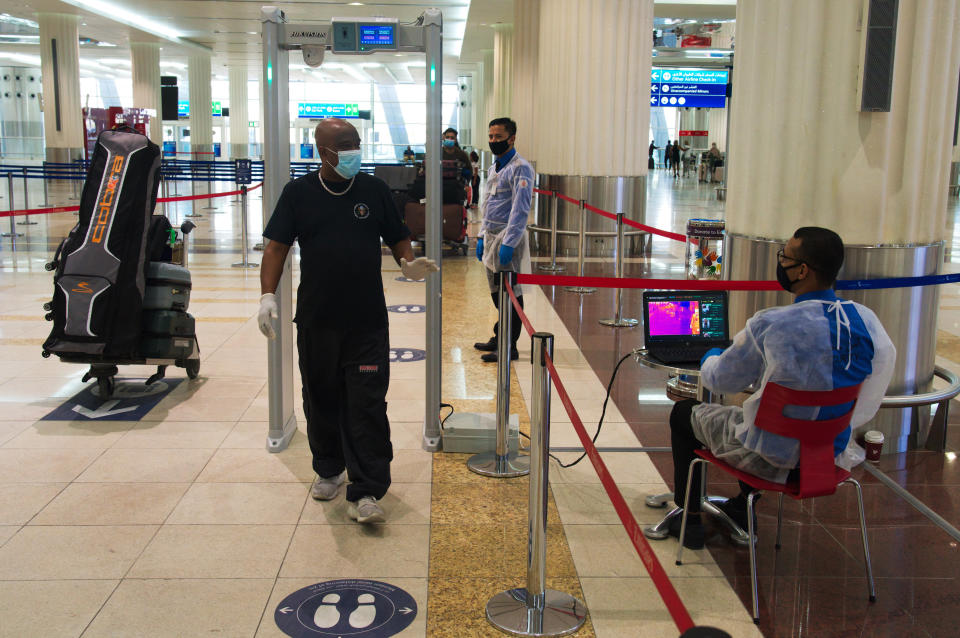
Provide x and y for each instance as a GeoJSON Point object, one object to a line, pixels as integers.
{"type": "Point", "coordinates": [168, 287]}
{"type": "Point", "coordinates": [170, 323]}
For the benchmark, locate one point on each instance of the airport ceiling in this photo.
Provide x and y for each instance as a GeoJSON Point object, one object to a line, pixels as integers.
{"type": "Point", "coordinates": [229, 30]}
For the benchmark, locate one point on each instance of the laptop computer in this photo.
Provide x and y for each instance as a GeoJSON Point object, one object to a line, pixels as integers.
{"type": "Point", "coordinates": [681, 325]}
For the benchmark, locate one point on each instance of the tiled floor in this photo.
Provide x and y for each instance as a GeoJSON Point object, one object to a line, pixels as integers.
{"type": "Point", "coordinates": [181, 524]}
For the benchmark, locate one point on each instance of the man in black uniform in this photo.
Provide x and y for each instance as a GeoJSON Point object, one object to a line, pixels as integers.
{"type": "Point", "coordinates": [338, 216]}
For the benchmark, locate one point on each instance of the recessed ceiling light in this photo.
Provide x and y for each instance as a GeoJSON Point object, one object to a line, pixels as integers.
{"type": "Point", "coordinates": [355, 4]}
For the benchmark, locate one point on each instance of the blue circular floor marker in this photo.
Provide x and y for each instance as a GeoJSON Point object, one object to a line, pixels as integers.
{"type": "Point", "coordinates": [406, 355]}
{"type": "Point", "coordinates": [349, 607]}
{"type": "Point", "coordinates": [407, 308]}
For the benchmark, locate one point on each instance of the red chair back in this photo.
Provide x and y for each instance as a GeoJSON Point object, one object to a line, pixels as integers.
{"type": "Point", "coordinates": [818, 474]}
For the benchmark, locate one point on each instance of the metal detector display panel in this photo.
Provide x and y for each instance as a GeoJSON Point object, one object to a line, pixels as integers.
{"type": "Point", "coordinates": [364, 37]}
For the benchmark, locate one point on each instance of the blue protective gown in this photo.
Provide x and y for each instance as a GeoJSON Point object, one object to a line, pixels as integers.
{"type": "Point", "coordinates": [505, 208]}
{"type": "Point", "coordinates": [819, 342]}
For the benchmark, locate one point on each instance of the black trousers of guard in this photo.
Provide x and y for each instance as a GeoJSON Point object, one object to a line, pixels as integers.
{"type": "Point", "coordinates": [684, 444]}
{"type": "Point", "coordinates": [345, 373]}
{"type": "Point", "coordinates": [516, 326]}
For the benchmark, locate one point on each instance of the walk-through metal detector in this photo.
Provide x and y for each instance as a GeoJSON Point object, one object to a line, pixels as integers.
{"type": "Point", "coordinates": [346, 36]}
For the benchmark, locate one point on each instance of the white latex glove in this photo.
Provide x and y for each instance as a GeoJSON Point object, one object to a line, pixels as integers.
{"type": "Point", "coordinates": [418, 268]}
{"type": "Point", "coordinates": [269, 312]}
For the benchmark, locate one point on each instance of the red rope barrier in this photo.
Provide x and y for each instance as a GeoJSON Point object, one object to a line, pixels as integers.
{"type": "Point", "coordinates": [645, 284]}
{"type": "Point", "coordinates": [681, 617]}
{"type": "Point", "coordinates": [69, 209]}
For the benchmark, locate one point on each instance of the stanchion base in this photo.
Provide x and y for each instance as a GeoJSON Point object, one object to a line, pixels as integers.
{"type": "Point", "coordinates": [193, 215]}
{"type": "Point", "coordinates": [551, 268]}
{"type": "Point", "coordinates": [580, 290]}
{"type": "Point", "coordinates": [507, 466]}
{"type": "Point", "coordinates": [249, 264]}
{"type": "Point", "coordinates": [621, 323]}
{"type": "Point", "coordinates": [562, 614]}
{"type": "Point", "coordinates": [27, 223]}
{"type": "Point", "coordinates": [14, 235]}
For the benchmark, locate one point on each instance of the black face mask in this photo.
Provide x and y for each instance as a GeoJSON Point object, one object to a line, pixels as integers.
{"type": "Point", "coordinates": [499, 148]}
{"type": "Point", "coordinates": [782, 277]}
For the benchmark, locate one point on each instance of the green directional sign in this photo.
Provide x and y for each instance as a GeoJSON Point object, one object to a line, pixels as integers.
{"type": "Point", "coordinates": [217, 109]}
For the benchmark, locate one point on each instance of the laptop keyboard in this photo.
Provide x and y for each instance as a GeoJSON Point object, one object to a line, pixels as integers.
{"type": "Point", "coordinates": [678, 355]}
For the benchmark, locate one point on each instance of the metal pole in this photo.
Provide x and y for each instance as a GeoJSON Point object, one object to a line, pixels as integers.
{"type": "Point", "coordinates": [581, 290]}
{"type": "Point", "coordinates": [618, 321]}
{"type": "Point", "coordinates": [243, 231]}
{"type": "Point", "coordinates": [501, 463]}
{"type": "Point", "coordinates": [433, 41]}
{"type": "Point", "coordinates": [73, 181]}
{"type": "Point", "coordinates": [536, 610]}
{"type": "Point", "coordinates": [276, 154]}
{"type": "Point", "coordinates": [26, 202]}
{"type": "Point", "coordinates": [46, 193]}
{"type": "Point", "coordinates": [13, 229]}
{"type": "Point", "coordinates": [210, 176]}
{"type": "Point", "coordinates": [193, 192]}
{"type": "Point", "coordinates": [554, 208]}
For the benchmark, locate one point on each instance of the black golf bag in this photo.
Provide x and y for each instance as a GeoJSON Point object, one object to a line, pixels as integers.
{"type": "Point", "coordinates": [100, 277]}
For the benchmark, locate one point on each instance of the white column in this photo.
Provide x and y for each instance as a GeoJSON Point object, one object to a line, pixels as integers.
{"type": "Point", "coordinates": [145, 63]}
{"type": "Point", "coordinates": [594, 94]}
{"type": "Point", "coordinates": [239, 123]}
{"type": "Point", "coordinates": [502, 70]}
{"type": "Point", "coordinates": [717, 128]}
{"type": "Point", "coordinates": [201, 101]}
{"type": "Point", "coordinates": [62, 119]}
{"type": "Point", "coordinates": [801, 153]}
{"type": "Point", "coordinates": [526, 52]}
{"type": "Point", "coordinates": [489, 108]}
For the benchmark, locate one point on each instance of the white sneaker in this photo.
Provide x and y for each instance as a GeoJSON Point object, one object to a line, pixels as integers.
{"type": "Point", "coordinates": [325, 489]}
{"type": "Point", "coordinates": [366, 510]}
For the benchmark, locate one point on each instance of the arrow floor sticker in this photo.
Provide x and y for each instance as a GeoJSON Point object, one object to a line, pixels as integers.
{"type": "Point", "coordinates": [131, 401]}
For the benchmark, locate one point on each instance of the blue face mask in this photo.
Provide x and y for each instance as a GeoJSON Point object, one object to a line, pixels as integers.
{"type": "Point", "coordinates": [449, 143]}
{"type": "Point", "coordinates": [349, 164]}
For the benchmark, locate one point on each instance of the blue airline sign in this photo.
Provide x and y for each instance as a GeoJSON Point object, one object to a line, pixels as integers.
{"type": "Point", "coordinates": [688, 87]}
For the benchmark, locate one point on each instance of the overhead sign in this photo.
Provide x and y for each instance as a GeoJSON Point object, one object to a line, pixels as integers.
{"type": "Point", "coordinates": [183, 108]}
{"type": "Point", "coordinates": [317, 110]}
{"type": "Point", "coordinates": [689, 87]}
{"type": "Point", "coordinates": [348, 608]}
{"type": "Point", "coordinates": [131, 401]}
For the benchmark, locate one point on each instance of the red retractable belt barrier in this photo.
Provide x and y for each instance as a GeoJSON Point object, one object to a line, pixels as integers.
{"type": "Point", "coordinates": [609, 215]}
{"type": "Point", "coordinates": [646, 284]}
{"type": "Point", "coordinates": [70, 209]}
{"type": "Point", "coordinates": [681, 617]}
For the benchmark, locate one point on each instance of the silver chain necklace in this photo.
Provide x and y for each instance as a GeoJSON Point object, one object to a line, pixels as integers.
{"type": "Point", "coordinates": [334, 193]}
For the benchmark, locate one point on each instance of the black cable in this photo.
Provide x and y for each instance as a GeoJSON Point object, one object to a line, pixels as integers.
{"type": "Point", "coordinates": [602, 413]}
{"type": "Point", "coordinates": [444, 419]}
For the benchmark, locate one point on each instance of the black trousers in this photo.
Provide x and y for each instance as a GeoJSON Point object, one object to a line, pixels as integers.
{"type": "Point", "coordinates": [345, 373]}
{"type": "Point", "coordinates": [684, 444]}
{"type": "Point", "coordinates": [516, 327]}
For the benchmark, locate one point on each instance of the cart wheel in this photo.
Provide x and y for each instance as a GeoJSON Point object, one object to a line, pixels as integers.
{"type": "Point", "coordinates": [192, 366]}
{"type": "Point", "coordinates": [105, 386]}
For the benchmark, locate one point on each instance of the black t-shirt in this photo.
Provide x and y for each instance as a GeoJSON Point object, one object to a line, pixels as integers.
{"type": "Point", "coordinates": [339, 237]}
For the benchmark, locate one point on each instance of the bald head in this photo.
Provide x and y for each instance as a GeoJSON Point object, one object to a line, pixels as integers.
{"type": "Point", "coordinates": [336, 134]}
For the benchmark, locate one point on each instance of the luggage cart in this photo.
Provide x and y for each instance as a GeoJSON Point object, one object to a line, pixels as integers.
{"type": "Point", "coordinates": [104, 370]}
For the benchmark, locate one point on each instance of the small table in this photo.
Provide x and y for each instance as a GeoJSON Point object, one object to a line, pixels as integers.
{"type": "Point", "coordinates": [684, 383]}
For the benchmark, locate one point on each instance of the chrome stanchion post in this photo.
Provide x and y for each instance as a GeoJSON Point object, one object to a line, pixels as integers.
{"type": "Point", "coordinates": [73, 182]}
{"type": "Point", "coordinates": [582, 242]}
{"type": "Point", "coordinates": [243, 231]}
{"type": "Point", "coordinates": [619, 321]}
{"type": "Point", "coordinates": [46, 193]}
{"type": "Point", "coordinates": [193, 192]}
{"type": "Point", "coordinates": [13, 234]}
{"type": "Point", "coordinates": [502, 463]}
{"type": "Point", "coordinates": [554, 209]}
{"type": "Point", "coordinates": [536, 610]}
{"type": "Point", "coordinates": [26, 202]}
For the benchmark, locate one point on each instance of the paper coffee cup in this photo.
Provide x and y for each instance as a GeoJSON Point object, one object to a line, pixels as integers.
{"type": "Point", "coordinates": [874, 444]}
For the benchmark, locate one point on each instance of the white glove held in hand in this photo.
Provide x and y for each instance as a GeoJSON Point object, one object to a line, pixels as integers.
{"type": "Point", "coordinates": [418, 268]}
{"type": "Point", "coordinates": [269, 312]}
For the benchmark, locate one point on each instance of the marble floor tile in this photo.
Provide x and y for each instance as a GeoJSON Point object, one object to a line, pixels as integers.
{"type": "Point", "coordinates": [146, 466]}
{"type": "Point", "coordinates": [73, 552]}
{"type": "Point", "coordinates": [77, 602]}
{"type": "Point", "coordinates": [240, 504]}
{"type": "Point", "coordinates": [175, 434]}
{"type": "Point", "coordinates": [177, 607]}
{"type": "Point", "coordinates": [258, 466]}
{"type": "Point", "coordinates": [361, 551]}
{"type": "Point", "coordinates": [253, 435]}
{"type": "Point", "coordinates": [411, 466]}
{"type": "Point", "coordinates": [112, 504]}
{"type": "Point", "coordinates": [20, 502]}
{"type": "Point", "coordinates": [94, 435]}
{"type": "Point", "coordinates": [43, 466]}
{"type": "Point", "coordinates": [404, 504]}
{"type": "Point", "coordinates": [214, 551]}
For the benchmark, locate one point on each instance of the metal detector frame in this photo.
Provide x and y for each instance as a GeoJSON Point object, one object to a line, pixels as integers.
{"type": "Point", "coordinates": [279, 38]}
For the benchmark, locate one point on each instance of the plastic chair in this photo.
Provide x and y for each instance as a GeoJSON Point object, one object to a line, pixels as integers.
{"type": "Point", "coordinates": [817, 474]}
